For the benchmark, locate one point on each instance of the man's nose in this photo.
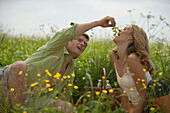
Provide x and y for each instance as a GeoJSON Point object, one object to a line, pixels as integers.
{"type": "Point", "coordinates": [82, 43]}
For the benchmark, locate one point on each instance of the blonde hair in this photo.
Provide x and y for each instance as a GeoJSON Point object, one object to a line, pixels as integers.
{"type": "Point", "coordinates": [140, 46]}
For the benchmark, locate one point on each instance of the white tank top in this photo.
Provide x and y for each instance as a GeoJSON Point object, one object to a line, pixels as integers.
{"type": "Point", "coordinates": [126, 82]}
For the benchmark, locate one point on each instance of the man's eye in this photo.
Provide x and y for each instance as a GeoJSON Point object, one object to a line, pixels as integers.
{"type": "Point", "coordinates": [79, 40]}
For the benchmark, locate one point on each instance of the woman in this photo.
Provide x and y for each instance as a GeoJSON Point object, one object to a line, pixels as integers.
{"type": "Point", "coordinates": [131, 61]}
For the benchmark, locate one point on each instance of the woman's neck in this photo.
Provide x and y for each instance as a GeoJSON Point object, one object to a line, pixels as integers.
{"type": "Point", "coordinates": [122, 52]}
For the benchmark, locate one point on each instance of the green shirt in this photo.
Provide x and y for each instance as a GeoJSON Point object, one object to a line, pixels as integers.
{"type": "Point", "coordinates": [52, 57]}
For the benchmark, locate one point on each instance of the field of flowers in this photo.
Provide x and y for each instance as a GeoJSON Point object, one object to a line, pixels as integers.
{"type": "Point", "coordinates": [89, 69]}
{"type": "Point", "coordinates": [89, 66]}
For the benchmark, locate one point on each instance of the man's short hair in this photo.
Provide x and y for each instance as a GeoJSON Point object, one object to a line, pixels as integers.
{"type": "Point", "coordinates": [86, 35]}
{"type": "Point", "coordinates": [157, 88]}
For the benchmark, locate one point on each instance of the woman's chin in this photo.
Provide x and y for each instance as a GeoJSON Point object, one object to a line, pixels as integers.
{"type": "Point", "coordinates": [114, 40]}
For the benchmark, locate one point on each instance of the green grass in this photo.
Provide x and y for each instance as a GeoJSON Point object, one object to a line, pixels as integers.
{"type": "Point", "coordinates": [91, 62]}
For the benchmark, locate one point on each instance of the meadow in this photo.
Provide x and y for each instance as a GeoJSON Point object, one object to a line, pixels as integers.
{"type": "Point", "coordinates": [89, 69]}
{"type": "Point", "coordinates": [91, 62]}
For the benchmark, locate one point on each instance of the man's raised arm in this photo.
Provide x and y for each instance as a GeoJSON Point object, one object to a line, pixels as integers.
{"type": "Point", "coordinates": [104, 22]}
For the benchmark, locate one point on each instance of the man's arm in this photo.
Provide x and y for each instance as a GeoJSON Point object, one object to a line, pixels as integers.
{"type": "Point", "coordinates": [104, 22]}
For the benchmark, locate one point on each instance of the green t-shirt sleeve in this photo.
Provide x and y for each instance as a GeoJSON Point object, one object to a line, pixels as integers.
{"type": "Point", "coordinates": [62, 38]}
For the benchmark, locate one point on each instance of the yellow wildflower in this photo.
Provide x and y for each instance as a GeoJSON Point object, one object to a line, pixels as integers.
{"type": "Point", "coordinates": [46, 70]}
{"type": "Point", "coordinates": [24, 112]}
{"type": "Point", "coordinates": [144, 69]}
{"type": "Point", "coordinates": [159, 89]}
{"type": "Point", "coordinates": [111, 90]}
{"type": "Point", "coordinates": [50, 89]}
{"type": "Point", "coordinates": [26, 74]}
{"type": "Point", "coordinates": [143, 84]}
{"type": "Point", "coordinates": [138, 79]}
{"type": "Point", "coordinates": [69, 84]}
{"type": "Point", "coordinates": [73, 75]}
{"type": "Point", "coordinates": [152, 108]}
{"type": "Point", "coordinates": [115, 84]}
{"type": "Point", "coordinates": [136, 82]}
{"type": "Point", "coordinates": [154, 80]}
{"type": "Point", "coordinates": [120, 78]}
{"type": "Point", "coordinates": [34, 84]}
{"type": "Point", "coordinates": [57, 75]}
{"type": "Point", "coordinates": [38, 75]}
{"type": "Point", "coordinates": [88, 95]}
{"type": "Point", "coordinates": [124, 91]}
{"type": "Point", "coordinates": [64, 89]}
{"type": "Point", "coordinates": [49, 74]}
{"type": "Point", "coordinates": [160, 74]}
{"type": "Point", "coordinates": [160, 84]}
{"type": "Point", "coordinates": [64, 77]}
{"type": "Point", "coordinates": [68, 76]}
{"type": "Point", "coordinates": [124, 80]}
{"type": "Point", "coordinates": [12, 89]}
{"type": "Point", "coordinates": [154, 84]}
{"type": "Point", "coordinates": [56, 97]}
{"type": "Point", "coordinates": [104, 91]}
{"type": "Point", "coordinates": [48, 85]}
{"type": "Point", "coordinates": [103, 77]}
{"type": "Point", "coordinates": [97, 93]}
{"type": "Point", "coordinates": [20, 72]}
{"type": "Point", "coordinates": [144, 87]}
{"type": "Point", "coordinates": [155, 51]}
{"type": "Point", "coordinates": [76, 87]}
{"type": "Point", "coordinates": [47, 81]}
{"type": "Point", "coordinates": [131, 89]}
{"type": "Point", "coordinates": [143, 80]}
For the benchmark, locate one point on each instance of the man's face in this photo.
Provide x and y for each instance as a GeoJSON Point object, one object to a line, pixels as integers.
{"type": "Point", "coordinates": [76, 47]}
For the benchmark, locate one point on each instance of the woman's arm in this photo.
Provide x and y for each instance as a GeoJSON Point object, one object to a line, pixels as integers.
{"type": "Point", "coordinates": [112, 58]}
{"type": "Point", "coordinates": [140, 80]}
{"type": "Point", "coordinates": [125, 101]}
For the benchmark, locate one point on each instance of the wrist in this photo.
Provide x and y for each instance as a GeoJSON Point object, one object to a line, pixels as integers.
{"type": "Point", "coordinates": [96, 23]}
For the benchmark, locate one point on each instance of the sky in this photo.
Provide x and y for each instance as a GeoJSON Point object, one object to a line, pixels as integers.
{"type": "Point", "coordinates": [25, 16]}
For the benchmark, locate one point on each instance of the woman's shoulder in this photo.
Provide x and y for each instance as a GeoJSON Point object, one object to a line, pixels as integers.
{"type": "Point", "coordinates": [112, 55]}
{"type": "Point", "coordinates": [133, 59]}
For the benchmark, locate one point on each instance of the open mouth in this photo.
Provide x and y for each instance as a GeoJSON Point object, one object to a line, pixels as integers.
{"type": "Point", "coordinates": [80, 49]}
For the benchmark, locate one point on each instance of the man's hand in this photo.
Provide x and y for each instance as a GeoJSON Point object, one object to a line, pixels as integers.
{"type": "Point", "coordinates": [104, 22]}
{"type": "Point", "coordinates": [107, 22]}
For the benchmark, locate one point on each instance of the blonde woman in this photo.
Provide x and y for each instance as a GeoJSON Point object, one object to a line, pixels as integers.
{"type": "Point", "coordinates": [131, 61]}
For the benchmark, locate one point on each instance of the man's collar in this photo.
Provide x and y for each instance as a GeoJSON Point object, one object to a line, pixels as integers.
{"type": "Point", "coordinates": [66, 51]}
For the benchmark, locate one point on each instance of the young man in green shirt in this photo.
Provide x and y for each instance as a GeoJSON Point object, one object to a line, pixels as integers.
{"type": "Point", "coordinates": [54, 57]}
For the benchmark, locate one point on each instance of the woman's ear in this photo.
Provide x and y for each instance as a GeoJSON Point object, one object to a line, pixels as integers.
{"type": "Point", "coordinates": [130, 38]}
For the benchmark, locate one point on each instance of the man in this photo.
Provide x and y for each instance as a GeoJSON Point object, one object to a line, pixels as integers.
{"type": "Point", "coordinates": [56, 56]}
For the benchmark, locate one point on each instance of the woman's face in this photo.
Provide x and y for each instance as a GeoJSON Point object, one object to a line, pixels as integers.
{"type": "Point", "coordinates": [124, 35]}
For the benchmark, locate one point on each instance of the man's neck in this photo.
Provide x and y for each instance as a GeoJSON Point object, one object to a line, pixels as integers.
{"type": "Point", "coordinates": [65, 66]}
